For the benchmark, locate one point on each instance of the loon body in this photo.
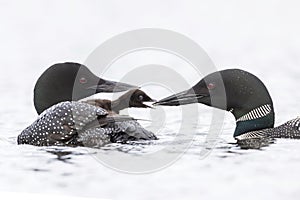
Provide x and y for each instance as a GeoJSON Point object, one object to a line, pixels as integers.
{"type": "Point", "coordinates": [73, 123]}
{"type": "Point", "coordinates": [64, 121]}
{"type": "Point", "coordinates": [245, 96]}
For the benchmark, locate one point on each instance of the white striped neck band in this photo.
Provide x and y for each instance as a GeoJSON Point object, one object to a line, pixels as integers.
{"type": "Point", "coordinates": [256, 113]}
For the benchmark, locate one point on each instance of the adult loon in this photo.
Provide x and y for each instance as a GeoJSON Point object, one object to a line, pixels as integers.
{"type": "Point", "coordinates": [245, 96]}
{"type": "Point", "coordinates": [74, 123]}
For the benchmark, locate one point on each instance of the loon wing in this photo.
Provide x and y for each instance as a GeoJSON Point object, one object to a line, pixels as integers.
{"type": "Point", "coordinates": [116, 128]}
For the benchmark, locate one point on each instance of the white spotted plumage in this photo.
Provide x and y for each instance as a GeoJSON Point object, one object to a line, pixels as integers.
{"type": "Point", "coordinates": [49, 129]}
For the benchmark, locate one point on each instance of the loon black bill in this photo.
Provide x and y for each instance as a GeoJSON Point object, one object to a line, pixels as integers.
{"type": "Point", "coordinates": [181, 98]}
{"type": "Point", "coordinates": [112, 86]}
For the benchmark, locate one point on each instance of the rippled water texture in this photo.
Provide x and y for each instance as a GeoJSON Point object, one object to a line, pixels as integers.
{"type": "Point", "coordinates": [260, 37]}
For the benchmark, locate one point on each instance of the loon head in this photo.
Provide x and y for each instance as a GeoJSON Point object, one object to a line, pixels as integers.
{"type": "Point", "coordinates": [233, 90]}
{"type": "Point", "coordinates": [133, 98]}
{"type": "Point", "coordinates": [70, 81]}
{"type": "Point", "coordinates": [138, 97]}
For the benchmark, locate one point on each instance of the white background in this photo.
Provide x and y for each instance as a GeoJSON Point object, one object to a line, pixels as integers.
{"type": "Point", "coordinates": [258, 36]}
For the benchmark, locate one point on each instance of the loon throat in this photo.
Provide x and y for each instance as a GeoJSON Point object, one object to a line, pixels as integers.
{"type": "Point", "coordinates": [258, 118]}
{"type": "Point", "coordinates": [256, 113]}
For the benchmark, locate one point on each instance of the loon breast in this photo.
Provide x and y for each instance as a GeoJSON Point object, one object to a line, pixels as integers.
{"type": "Point", "coordinates": [80, 124]}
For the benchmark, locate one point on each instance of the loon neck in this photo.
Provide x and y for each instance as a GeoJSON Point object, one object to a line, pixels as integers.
{"type": "Point", "coordinates": [118, 105]}
{"type": "Point", "coordinates": [256, 119]}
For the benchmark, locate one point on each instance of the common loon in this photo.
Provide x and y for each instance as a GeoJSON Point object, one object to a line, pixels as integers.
{"type": "Point", "coordinates": [74, 123]}
{"type": "Point", "coordinates": [245, 96]}
{"type": "Point", "coordinates": [70, 81]}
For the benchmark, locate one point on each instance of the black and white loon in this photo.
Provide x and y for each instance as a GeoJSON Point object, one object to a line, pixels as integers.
{"type": "Point", "coordinates": [245, 96]}
{"type": "Point", "coordinates": [66, 122]}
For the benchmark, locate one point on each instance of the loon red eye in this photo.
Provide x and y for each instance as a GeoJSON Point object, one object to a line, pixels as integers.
{"type": "Point", "coordinates": [211, 86]}
{"type": "Point", "coordinates": [82, 80]}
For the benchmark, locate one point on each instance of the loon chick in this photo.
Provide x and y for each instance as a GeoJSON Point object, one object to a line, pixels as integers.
{"type": "Point", "coordinates": [245, 96]}
{"type": "Point", "coordinates": [132, 98]}
{"type": "Point", "coordinates": [73, 123]}
{"type": "Point", "coordinates": [70, 81]}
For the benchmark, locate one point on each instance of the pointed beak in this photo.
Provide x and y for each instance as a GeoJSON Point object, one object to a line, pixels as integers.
{"type": "Point", "coordinates": [150, 101]}
{"type": "Point", "coordinates": [181, 98]}
{"type": "Point", "coordinates": [111, 86]}
{"type": "Point", "coordinates": [153, 101]}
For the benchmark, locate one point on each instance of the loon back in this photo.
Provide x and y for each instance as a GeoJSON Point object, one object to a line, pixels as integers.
{"type": "Point", "coordinates": [81, 124]}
